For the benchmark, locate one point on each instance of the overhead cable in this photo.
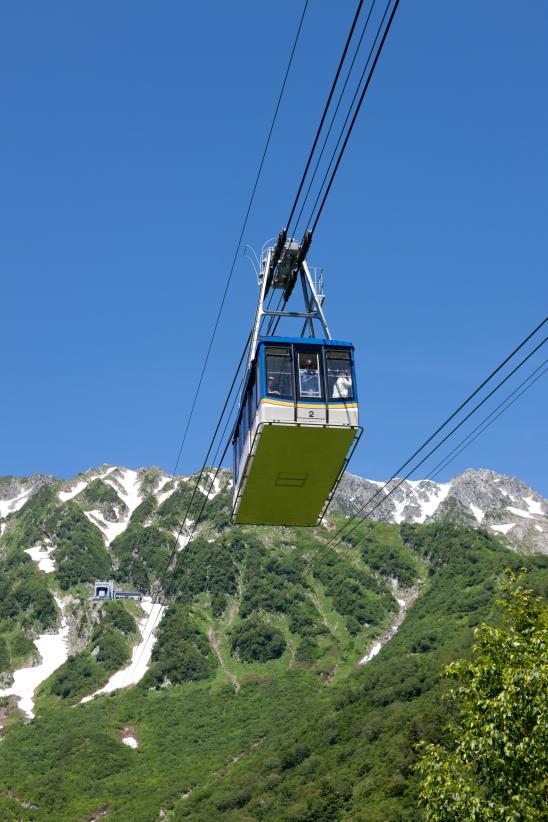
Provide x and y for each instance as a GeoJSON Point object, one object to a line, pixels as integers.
{"type": "Point", "coordinates": [167, 569]}
{"type": "Point", "coordinates": [326, 108]}
{"type": "Point", "coordinates": [240, 237]}
{"type": "Point", "coordinates": [334, 116]}
{"type": "Point", "coordinates": [489, 419]}
{"type": "Point", "coordinates": [229, 279]}
{"type": "Point", "coordinates": [348, 113]}
{"type": "Point", "coordinates": [206, 458]}
{"type": "Point", "coordinates": [468, 440]}
{"type": "Point", "coordinates": [354, 118]}
{"type": "Point", "coordinates": [344, 530]}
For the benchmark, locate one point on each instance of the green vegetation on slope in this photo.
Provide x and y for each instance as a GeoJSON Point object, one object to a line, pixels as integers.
{"type": "Point", "coordinates": [362, 739]}
{"type": "Point", "coordinates": [172, 510]}
{"type": "Point", "coordinates": [80, 554]}
{"type": "Point", "coordinates": [27, 608]}
{"type": "Point", "coordinates": [141, 555]}
{"type": "Point", "coordinates": [254, 707]}
{"type": "Point", "coordinates": [494, 766]}
{"type": "Point", "coordinates": [182, 652]}
{"type": "Point", "coordinates": [144, 510]}
{"type": "Point", "coordinates": [101, 495]}
{"type": "Point", "coordinates": [253, 640]}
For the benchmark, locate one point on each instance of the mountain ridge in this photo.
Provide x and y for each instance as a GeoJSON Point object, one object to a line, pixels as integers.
{"type": "Point", "coordinates": [479, 497]}
{"type": "Point", "coordinates": [503, 504]}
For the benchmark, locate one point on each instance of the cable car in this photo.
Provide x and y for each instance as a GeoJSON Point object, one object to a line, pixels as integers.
{"type": "Point", "coordinates": [297, 423]}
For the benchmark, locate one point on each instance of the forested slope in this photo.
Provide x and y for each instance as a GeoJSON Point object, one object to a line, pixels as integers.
{"type": "Point", "coordinates": [254, 705]}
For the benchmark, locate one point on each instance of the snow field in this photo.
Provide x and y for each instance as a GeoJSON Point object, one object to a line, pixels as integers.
{"type": "Point", "coordinates": [53, 652]}
{"type": "Point", "coordinates": [212, 486]}
{"type": "Point", "coordinates": [78, 488]}
{"type": "Point", "coordinates": [42, 555]}
{"type": "Point", "coordinates": [140, 657]}
{"type": "Point", "coordinates": [129, 481]}
{"type": "Point", "coordinates": [110, 530]}
{"type": "Point", "coordinates": [533, 506]}
{"type": "Point", "coordinates": [8, 506]}
{"type": "Point", "coordinates": [519, 512]}
{"type": "Point", "coordinates": [377, 646]}
{"type": "Point", "coordinates": [503, 527]}
{"type": "Point", "coordinates": [477, 512]}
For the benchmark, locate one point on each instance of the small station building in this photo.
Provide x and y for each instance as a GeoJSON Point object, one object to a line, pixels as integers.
{"type": "Point", "coordinates": [104, 589]}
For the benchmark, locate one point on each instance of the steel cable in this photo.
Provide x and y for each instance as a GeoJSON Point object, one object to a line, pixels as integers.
{"type": "Point", "coordinates": [483, 426]}
{"type": "Point", "coordinates": [326, 108]}
{"type": "Point", "coordinates": [228, 281]}
{"type": "Point", "coordinates": [239, 243]}
{"type": "Point", "coordinates": [344, 529]}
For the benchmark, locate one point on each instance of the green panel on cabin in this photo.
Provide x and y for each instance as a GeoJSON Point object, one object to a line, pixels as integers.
{"type": "Point", "coordinates": [293, 471]}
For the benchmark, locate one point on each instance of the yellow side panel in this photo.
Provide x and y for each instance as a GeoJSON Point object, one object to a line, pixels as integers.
{"type": "Point", "coordinates": [292, 473]}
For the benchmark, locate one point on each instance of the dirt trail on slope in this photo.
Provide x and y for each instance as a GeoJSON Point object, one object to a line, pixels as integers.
{"type": "Point", "coordinates": [317, 602]}
{"type": "Point", "coordinates": [216, 645]}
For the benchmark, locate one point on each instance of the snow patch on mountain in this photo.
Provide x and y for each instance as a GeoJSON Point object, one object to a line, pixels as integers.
{"type": "Point", "coordinates": [64, 496]}
{"type": "Point", "coordinates": [140, 658]}
{"type": "Point", "coordinates": [11, 505]}
{"type": "Point", "coordinates": [161, 497]}
{"type": "Point", "coordinates": [533, 505]}
{"type": "Point", "coordinates": [184, 537]}
{"type": "Point", "coordinates": [477, 512]}
{"type": "Point", "coordinates": [126, 482]}
{"type": "Point", "coordinates": [212, 486]}
{"type": "Point", "coordinates": [519, 512]}
{"type": "Point", "coordinates": [503, 527]}
{"type": "Point", "coordinates": [430, 499]}
{"type": "Point", "coordinates": [41, 554]}
{"type": "Point", "coordinates": [392, 629]}
{"type": "Point", "coordinates": [109, 530]}
{"type": "Point", "coordinates": [53, 652]}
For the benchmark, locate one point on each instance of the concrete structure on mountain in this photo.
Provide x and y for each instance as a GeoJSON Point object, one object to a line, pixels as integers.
{"type": "Point", "coordinates": [104, 589]}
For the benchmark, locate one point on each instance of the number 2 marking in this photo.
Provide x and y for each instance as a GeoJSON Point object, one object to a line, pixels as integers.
{"type": "Point", "coordinates": [311, 413]}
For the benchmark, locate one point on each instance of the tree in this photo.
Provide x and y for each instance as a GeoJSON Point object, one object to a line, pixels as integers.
{"type": "Point", "coordinates": [255, 641]}
{"type": "Point", "coordinates": [495, 764]}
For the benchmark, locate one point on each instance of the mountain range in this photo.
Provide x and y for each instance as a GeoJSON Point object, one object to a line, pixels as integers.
{"type": "Point", "coordinates": [266, 674]}
{"type": "Point", "coordinates": [478, 497]}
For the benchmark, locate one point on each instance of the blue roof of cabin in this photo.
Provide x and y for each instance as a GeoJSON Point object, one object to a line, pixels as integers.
{"type": "Point", "coordinates": [304, 341]}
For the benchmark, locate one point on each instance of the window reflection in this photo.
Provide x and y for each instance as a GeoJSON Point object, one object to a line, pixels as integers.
{"type": "Point", "coordinates": [279, 382]}
{"type": "Point", "coordinates": [309, 374]}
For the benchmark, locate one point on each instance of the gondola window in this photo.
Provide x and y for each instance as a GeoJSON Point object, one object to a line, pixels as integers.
{"type": "Point", "coordinates": [339, 375]}
{"type": "Point", "coordinates": [309, 374]}
{"type": "Point", "coordinates": [279, 381]}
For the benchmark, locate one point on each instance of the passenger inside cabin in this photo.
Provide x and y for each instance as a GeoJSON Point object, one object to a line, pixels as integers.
{"type": "Point", "coordinates": [309, 376]}
{"type": "Point", "coordinates": [274, 385]}
{"type": "Point", "coordinates": [342, 388]}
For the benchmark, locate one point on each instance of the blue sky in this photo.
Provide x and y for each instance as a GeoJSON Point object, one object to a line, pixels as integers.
{"type": "Point", "coordinates": [130, 140]}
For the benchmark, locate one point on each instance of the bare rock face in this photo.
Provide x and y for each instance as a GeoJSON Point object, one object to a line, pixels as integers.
{"type": "Point", "coordinates": [504, 505]}
{"type": "Point", "coordinates": [13, 487]}
{"type": "Point", "coordinates": [15, 491]}
{"type": "Point", "coordinates": [488, 490]}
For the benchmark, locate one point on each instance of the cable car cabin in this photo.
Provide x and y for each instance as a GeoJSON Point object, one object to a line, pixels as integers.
{"type": "Point", "coordinates": [298, 421]}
